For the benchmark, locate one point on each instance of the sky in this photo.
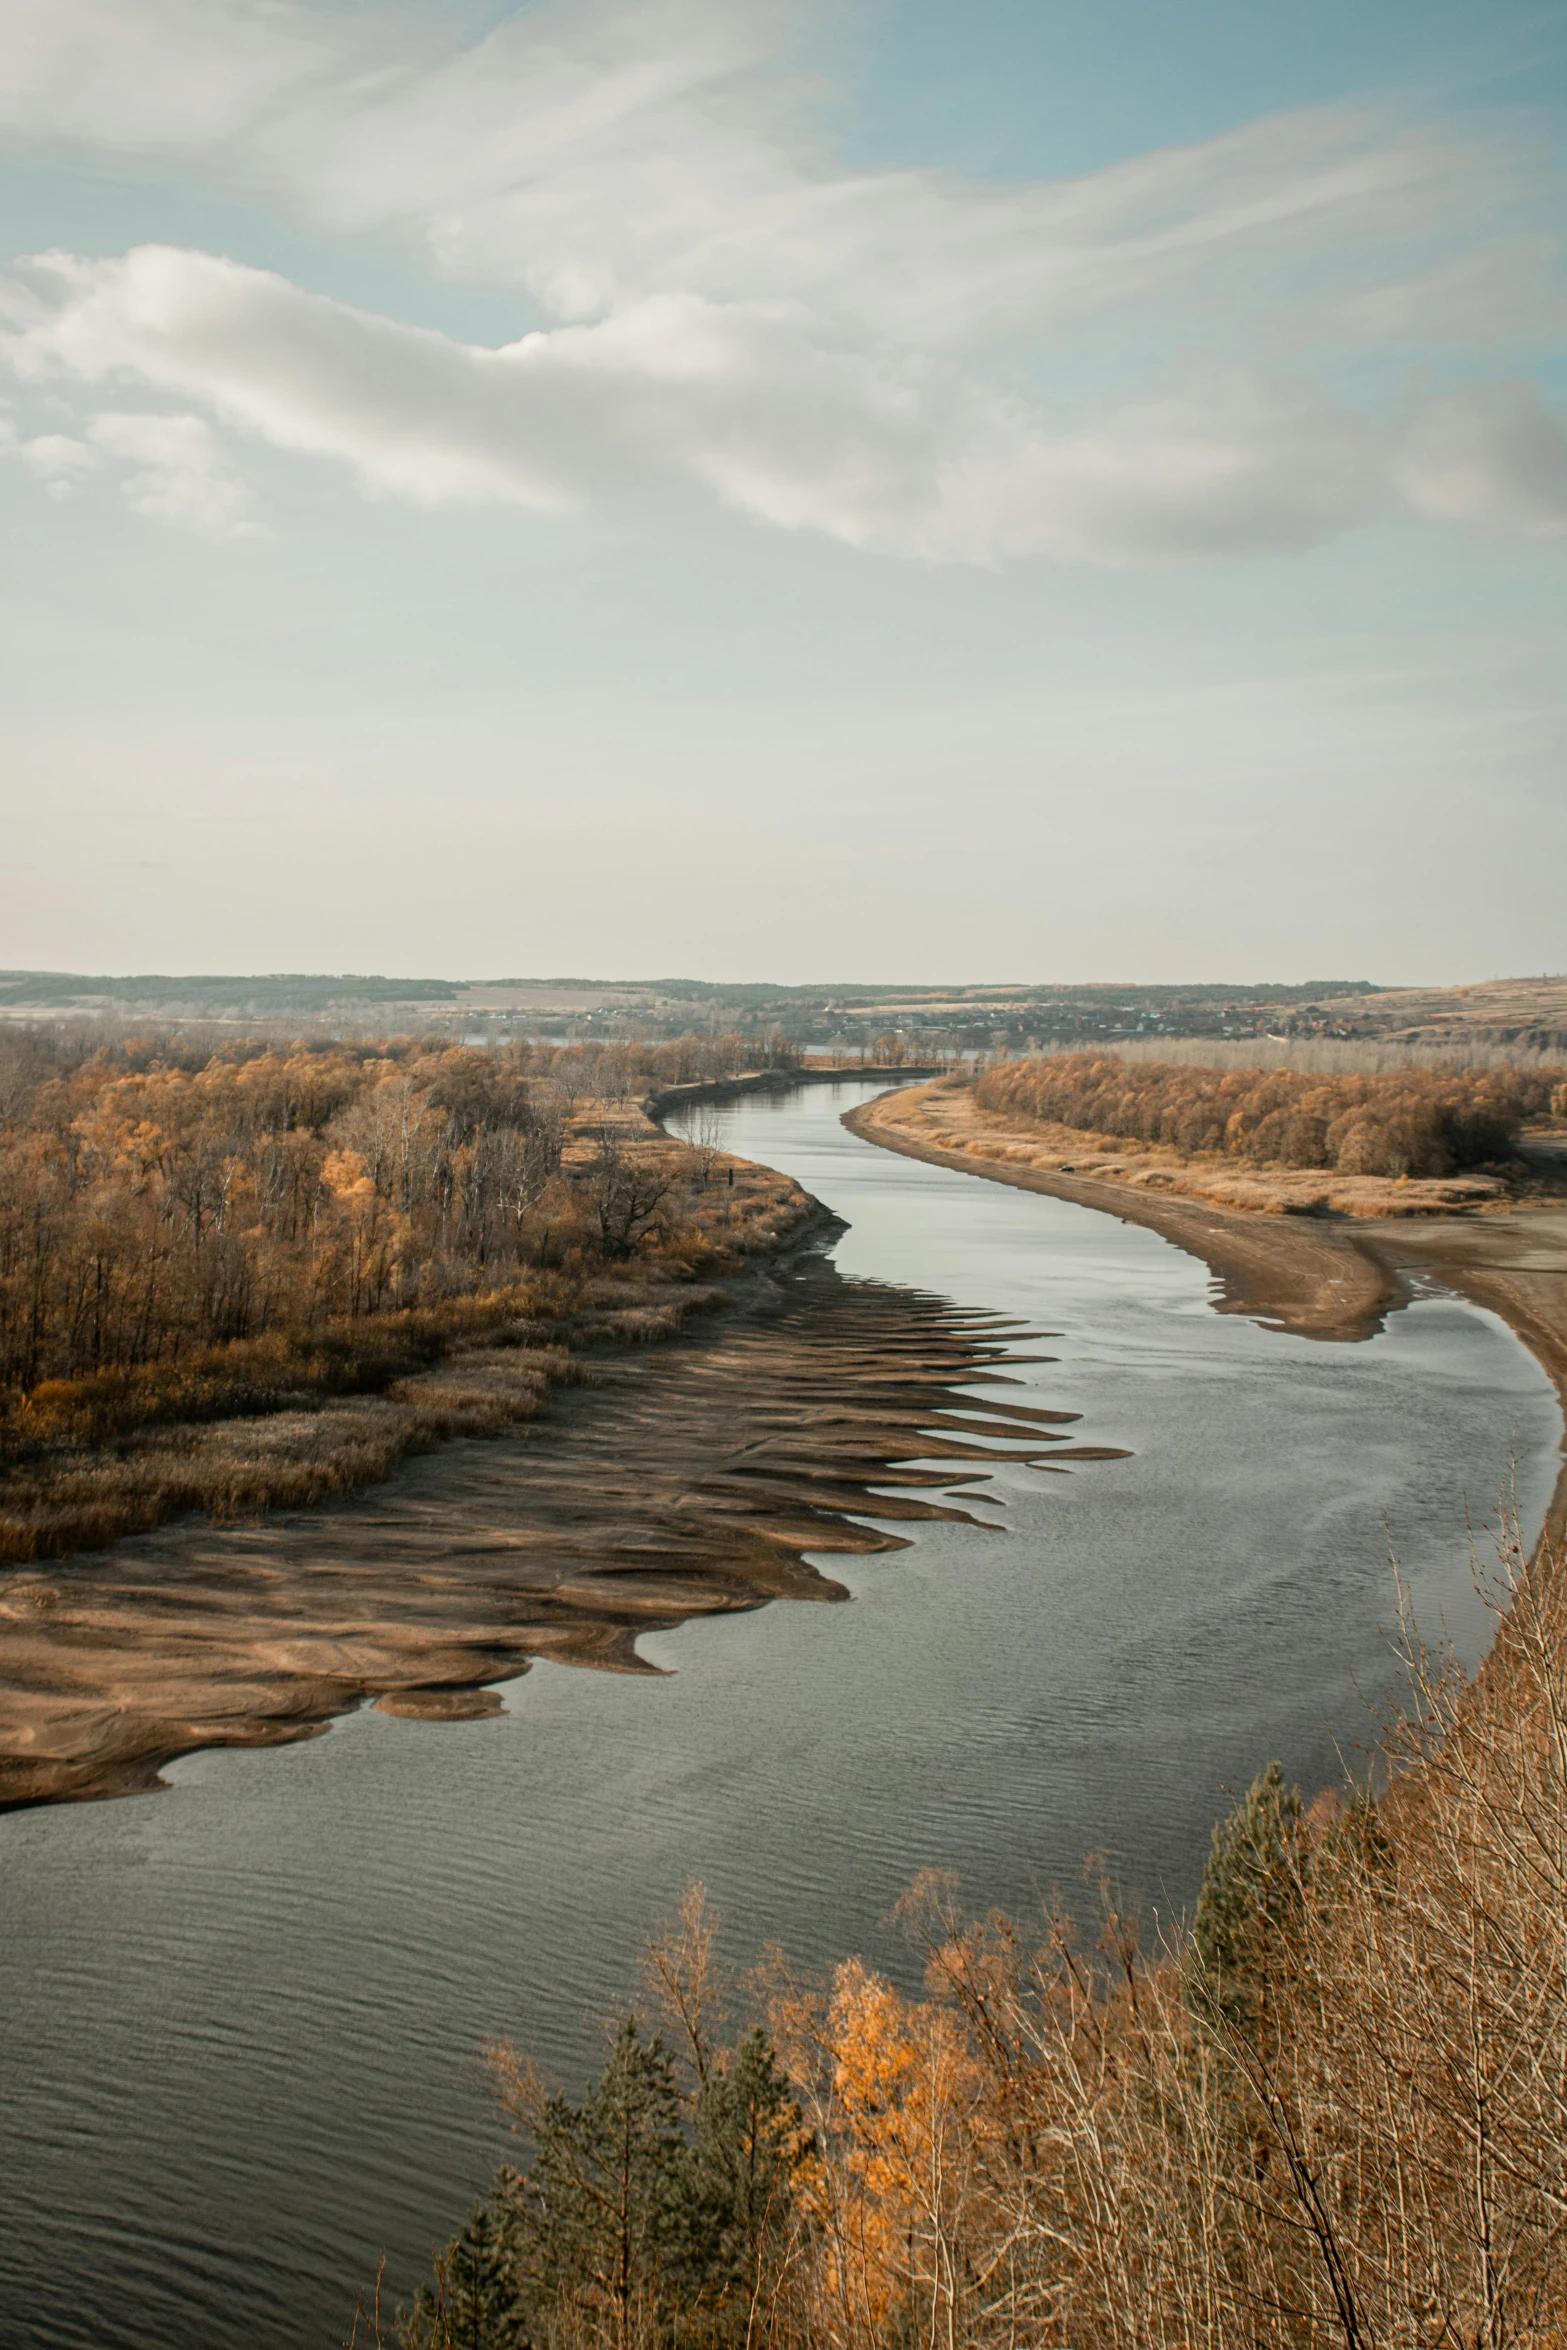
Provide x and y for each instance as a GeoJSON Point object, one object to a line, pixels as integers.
{"type": "Point", "coordinates": [1035, 490]}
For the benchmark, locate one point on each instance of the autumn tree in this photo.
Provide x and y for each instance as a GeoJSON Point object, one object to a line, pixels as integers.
{"type": "Point", "coordinates": [1407, 1122]}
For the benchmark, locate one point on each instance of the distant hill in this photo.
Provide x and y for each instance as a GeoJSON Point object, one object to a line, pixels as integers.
{"type": "Point", "coordinates": [1518, 1014]}
{"type": "Point", "coordinates": [1522, 1014]}
{"type": "Point", "coordinates": [967, 1016]}
{"type": "Point", "coordinates": [211, 994]}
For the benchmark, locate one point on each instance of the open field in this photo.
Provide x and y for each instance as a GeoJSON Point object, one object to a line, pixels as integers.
{"type": "Point", "coordinates": [1512, 1017]}
{"type": "Point", "coordinates": [1328, 1056]}
{"type": "Point", "coordinates": [850, 1017]}
{"type": "Point", "coordinates": [1523, 1014]}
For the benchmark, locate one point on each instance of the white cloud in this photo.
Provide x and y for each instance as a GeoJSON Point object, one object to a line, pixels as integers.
{"type": "Point", "coordinates": [172, 468]}
{"type": "Point", "coordinates": [161, 74]}
{"type": "Point", "coordinates": [1493, 454]}
{"type": "Point", "coordinates": [1509, 289]}
{"type": "Point", "coordinates": [180, 472]}
{"type": "Point", "coordinates": [416, 414]}
{"type": "Point", "coordinates": [597, 153]}
{"type": "Point", "coordinates": [751, 402]}
{"type": "Point", "coordinates": [1236, 464]}
{"type": "Point", "coordinates": [57, 460]}
{"type": "Point", "coordinates": [741, 398]}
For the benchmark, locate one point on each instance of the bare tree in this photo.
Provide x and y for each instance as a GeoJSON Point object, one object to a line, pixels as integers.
{"type": "Point", "coordinates": [705, 1134]}
{"type": "Point", "coordinates": [627, 1190]}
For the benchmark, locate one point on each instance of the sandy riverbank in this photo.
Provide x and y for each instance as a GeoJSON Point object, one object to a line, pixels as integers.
{"type": "Point", "coordinates": [1320, 1276]}
{"type": "Point", "coordinates": [657, 1444]}
{"type": "Point", "coordinates": [682, 1479]}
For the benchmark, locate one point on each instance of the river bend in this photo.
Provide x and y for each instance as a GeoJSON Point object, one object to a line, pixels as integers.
{"type": "Point", "coordinates": [237, 2020]}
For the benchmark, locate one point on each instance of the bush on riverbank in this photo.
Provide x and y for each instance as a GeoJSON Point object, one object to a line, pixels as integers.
{"type": "Point", "coordinates": [1334, 2114]}
{"type": "Point", "coordinates": [1404, 1122]}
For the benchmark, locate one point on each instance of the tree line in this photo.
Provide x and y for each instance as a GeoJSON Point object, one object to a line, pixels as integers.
{"type": "Point", "coordinates": [1331, 2115]}
{"type": "Point", "coordinates": [1413, 1122]}
{"type": "Point", "coordinates": [169, 1203]}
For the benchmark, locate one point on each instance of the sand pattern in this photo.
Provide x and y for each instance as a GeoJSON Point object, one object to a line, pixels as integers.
{"type": "Point", "coordinates": [687, 1479]}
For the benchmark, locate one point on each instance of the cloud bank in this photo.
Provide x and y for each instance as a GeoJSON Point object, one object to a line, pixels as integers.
{"type": "Point", "coordinates": [746, 400]}
{"type": "Point", "coordinates": [819, 348]}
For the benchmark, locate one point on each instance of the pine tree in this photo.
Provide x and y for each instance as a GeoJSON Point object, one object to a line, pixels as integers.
{"type": "Point", "coordinates": [599, 2215]}
{"type": "Point", "coordinates": [751, 2144]}
{"type": "Point", "coordinates": [641, 2217]}
{"type": "Point", "coordinates": [1251, 1896]}
{"type": "Point", "coordinates": [472, 2302]}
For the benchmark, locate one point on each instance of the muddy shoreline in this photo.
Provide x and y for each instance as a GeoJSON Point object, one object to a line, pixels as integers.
{"type": "Point", "coordinates": [687, 1478]}
{"type": "Point", "coordinates": [1314, 1276]}
{"type": "Point", "coordinates": [361, 1564]}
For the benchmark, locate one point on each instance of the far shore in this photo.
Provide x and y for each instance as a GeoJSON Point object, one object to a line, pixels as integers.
{"type": "Point", "coordinates": [1321, 1276]}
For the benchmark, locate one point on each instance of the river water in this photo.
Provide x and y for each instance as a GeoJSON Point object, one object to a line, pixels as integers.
{"type": "Point", "coordinates": [238, 2020]}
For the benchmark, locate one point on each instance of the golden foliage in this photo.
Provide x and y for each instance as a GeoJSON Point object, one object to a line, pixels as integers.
{"type": "Point", "coordinates": [1059, 2149]}
{"type": "Point", "coordinates": [1413, 1122]}
{"type": "Point", "coordinates": [192, 1237]}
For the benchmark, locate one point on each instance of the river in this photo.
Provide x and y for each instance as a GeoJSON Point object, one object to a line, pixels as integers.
{"type": "Point", "coordinates": [239, 2018]}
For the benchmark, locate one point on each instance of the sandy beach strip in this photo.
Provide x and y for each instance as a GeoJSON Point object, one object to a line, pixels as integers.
{"type": "Point", "coordinates": [1316, 1275]}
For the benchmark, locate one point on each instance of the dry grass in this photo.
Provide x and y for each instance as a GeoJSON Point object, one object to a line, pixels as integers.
{"type": "Point", "coordinates": [1377, 2151]}
{"type": "Point", "coordinates": [80, 1497]}
{"type": "Point", "coordinates": [1370, 1056]}
{"type": "Point", "coordinates": [1516, 1015]}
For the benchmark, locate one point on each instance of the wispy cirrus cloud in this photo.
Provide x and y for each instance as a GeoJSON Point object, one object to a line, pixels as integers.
{"type": "Point", "coordinates": [162, 76]}
{"type": "Point", "coordinates": [1504, 289]}
{"type": "Point", "coordinates": [596, 153]}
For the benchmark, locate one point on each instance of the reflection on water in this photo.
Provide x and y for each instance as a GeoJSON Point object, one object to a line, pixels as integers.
{"type": "Point", "coordinates": [238, 2019]}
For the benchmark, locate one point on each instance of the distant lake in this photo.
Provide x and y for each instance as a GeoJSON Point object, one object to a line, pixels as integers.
{"type": "Point", "coordinates": [237, 2020]}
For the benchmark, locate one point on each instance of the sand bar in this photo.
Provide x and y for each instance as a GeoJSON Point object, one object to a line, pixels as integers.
{"type": "Point", "coordinates": [1318, 1275]}
{"type": "Point", "coordinates": [688, 1478]}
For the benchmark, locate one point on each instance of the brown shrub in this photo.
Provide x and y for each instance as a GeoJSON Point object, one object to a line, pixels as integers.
{"type": "Point", "coordinates": [1404, 1122]}
{"type": "Point", "coordinates": [1367, 2145]}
